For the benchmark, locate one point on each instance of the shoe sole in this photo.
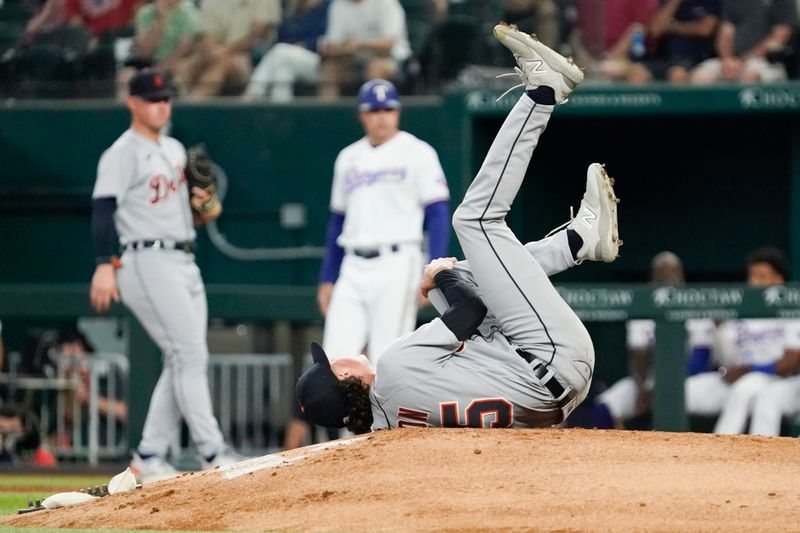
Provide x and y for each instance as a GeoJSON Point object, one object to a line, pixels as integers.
{"type": "Point", "coordinates": [571, 72]}
{"type": "Point", "coordinates": [608, 245]}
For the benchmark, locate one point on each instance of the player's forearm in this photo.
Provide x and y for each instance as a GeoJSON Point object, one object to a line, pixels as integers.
{"type": "Point", "coordinates": [466, 311]}
{"type": "Point", "coordinates": [789, 364]}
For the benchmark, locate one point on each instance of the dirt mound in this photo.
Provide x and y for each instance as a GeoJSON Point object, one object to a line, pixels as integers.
{"type": "Point", "coordinates": [476, 480]}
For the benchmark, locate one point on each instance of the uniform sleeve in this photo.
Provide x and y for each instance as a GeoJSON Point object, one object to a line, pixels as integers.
{"type": "Point", "coordinates": [640, 334]}
{"type": "Point", "coordinates": [429, 176]}
{"type": "Point", "coordinates": [115, 174]}
{"type": "Point", "coordinates": [791, 335]}
{"type": "Point", "coordinates": [430, 343]}
{"type": "Point", "coordinates": [700, 333]}
{"type": "Point", "coordinates": [338, 193]}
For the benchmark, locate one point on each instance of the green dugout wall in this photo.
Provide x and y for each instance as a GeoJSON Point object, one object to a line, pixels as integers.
{"type": "Point", "coordinates": [707, 173]}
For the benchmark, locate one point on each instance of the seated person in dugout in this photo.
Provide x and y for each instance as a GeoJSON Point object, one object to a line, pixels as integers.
{"type": "Point", "coordinates": [507, 350]}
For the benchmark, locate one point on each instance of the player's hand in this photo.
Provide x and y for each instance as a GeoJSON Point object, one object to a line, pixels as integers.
{"type": "Point", "coordinates": [433, 268]}
{"type": "Point", "coordinates": [422, 300]}
{"type": "Point", "coordinates": [324, 293]}
{"type": "Point", "coordinates": [104, 287]}
{"type": "Point", "coordinates": [732, 373]}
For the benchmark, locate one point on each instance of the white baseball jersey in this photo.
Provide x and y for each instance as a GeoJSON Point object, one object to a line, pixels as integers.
{"type": "Point", "coordinates": [383, 190]}
{"type": "Point", "coordinates": [756, 341]}
{"type": "Point", "coordinates": [147, 180]}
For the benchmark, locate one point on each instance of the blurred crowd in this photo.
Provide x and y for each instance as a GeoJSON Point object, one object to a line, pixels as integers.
{"type": "Point", "coordinates": [278, 49]}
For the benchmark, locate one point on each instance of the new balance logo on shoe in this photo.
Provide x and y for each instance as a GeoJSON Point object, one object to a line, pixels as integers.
{"type": "Point", "coordinates": [588, 217]}
{"type": "Point", "coordinates": [537, 67]}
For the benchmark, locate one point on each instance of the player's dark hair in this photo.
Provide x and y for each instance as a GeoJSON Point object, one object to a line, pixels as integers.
{"type": "Point", "coordinates": [360, 408]}
{"type": "Point", "coordinates": [772, 256]}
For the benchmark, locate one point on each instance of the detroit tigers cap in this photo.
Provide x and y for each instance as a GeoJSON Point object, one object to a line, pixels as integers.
{"type": "Point", "coordinates": [378, 94]}
{"type": "Point", "coordinates": [151, 84]}
{"type": "Point", "coordinates": [320, 400]}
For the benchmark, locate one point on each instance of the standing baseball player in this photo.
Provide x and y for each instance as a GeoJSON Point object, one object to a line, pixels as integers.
{"type": "Point", "coordinates": [141, 192]}
{"type": "Point", "coordinates": [387, 187]}
{"type": "Point", "coordinates": [531, 361]}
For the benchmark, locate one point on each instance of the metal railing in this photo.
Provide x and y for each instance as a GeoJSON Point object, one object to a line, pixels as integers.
{"type": "Point", "coordinates": [91, 417]}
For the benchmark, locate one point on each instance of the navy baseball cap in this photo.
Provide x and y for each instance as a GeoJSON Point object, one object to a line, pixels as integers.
{"type": "Point", "coordinates": [378, 94]}
{"type": "Point", "coordinates": [151, 84]}
{"type": "Point", "coordinates": [320, 400]}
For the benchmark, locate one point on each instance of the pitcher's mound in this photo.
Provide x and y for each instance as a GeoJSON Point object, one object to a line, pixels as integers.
{"type": "Point", "coordinates": [476, 480]}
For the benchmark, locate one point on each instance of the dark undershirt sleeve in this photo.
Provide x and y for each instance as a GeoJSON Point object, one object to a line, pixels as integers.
{"type": "Point", "coordinates": [103, 228]}
{"type": "Point", "coordinates": [466, 311]}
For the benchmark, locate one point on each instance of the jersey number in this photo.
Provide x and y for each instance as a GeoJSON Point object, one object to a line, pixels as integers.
{"type": "Point", "coordinates": [488, 413]}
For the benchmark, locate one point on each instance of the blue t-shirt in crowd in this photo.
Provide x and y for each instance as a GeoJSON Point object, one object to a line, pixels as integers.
{"type": "Point", "coordinates": [691, 50]}
{"type": "Point", "coordinates": [305, 28]}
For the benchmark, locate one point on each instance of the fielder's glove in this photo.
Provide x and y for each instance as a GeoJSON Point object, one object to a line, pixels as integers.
{"type": "Point", "coordinates": [201, 172]}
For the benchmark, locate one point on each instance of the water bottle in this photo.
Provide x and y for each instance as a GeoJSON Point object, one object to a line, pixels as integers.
{"type": "Point", "coordinates": [637, 43]}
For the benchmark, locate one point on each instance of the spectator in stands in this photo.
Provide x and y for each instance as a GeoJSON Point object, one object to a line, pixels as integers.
{"type": "Point", "coordinates": [223, 61]}
{"type": "Point", "coordinates": [166, 31]}
{"type": "Point", "coordinates": [295, 57]}
{"type": "Point", "coordinates": [750, 31]}
{"type": "Point", "coordinates": [610, 37]}
{"type": "Point", "coordinates": [747, 353]}
{"type": "Point", "coordinates": [365, 39]}
{"type": "Point", "coordinates": [49, 50]}
{"type": "Point", "coordinates": [18, 439]}
{"type": "Point", "coordinates": [74, 345]}
{"type": "Point", "coordinates": [630, 397]}
{"type": "Point", "coordinates": [684, 32]}
{"type": "Point", "coordinates": [107, 20]}
{"type": "Point", "coordinates": [541, 17]}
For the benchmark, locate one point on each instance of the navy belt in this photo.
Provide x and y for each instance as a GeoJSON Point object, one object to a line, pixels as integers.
{"type": "Point", "coordinates": [372, 253]}
{"type": "Point", "coordinates": [183, 246]}
{"type": "Point", "coordinates": [540, 371]}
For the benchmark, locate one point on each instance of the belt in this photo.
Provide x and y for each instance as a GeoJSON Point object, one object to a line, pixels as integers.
{"type": "Point", "coordinates": [540, 370]}
{"type": "Point", "coordinates": [372, 253]}
{"type": "Point", "coordinates": [158, 244]}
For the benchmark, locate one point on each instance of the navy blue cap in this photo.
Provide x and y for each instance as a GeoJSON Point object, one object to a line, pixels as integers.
{"type": "Point", "coordinates": [378, 94]}
{"type": "Point", "coordinates": [151, 84]}
{"type": "Point", "coordinates": [320, 399]}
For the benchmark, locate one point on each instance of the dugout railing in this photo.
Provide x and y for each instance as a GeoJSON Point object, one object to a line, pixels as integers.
{"type": "Point", "coordinates": [668, 306]}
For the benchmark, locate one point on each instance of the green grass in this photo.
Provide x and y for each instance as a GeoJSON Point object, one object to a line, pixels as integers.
{"type": "Point", "coordinates": [11, 501]}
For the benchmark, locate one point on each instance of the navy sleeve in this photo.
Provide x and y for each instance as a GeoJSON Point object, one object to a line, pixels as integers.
{"type": "Point", "coordinates": [103, 228]}
{"type": "Point", "coordinates": [437, 224]}
{"type": "Point", "coordinates": [699, 360]}
{"type": "Point", "coordinates": [334, 253]}
{"type": "Point", "coordinates": [466, 311]}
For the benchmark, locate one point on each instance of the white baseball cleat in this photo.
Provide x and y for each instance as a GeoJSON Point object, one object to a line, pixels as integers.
{"type": "Point", "coordinates": [152, 469]}
{"type": "Point", "coordinates": [223, 458]}
{"type": "Point", "coordinates": [539, 64]}
{"type": "Point", "coordinates": [596, 221]}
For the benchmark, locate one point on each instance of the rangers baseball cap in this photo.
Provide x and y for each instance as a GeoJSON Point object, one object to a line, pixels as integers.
{"type": "Point", "coordinates": [151, 84]}
{"type": "Point", "coordinates": [320, 399]}
{"type": "Point", "coordinates": [378, 94]}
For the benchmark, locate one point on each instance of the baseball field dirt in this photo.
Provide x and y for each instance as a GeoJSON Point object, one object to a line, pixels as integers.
{"type": "Point", "coordinates": [476, 480]}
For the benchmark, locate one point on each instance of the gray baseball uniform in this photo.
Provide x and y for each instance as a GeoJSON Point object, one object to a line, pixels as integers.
{"type": "Point", "coordinates": [535, 365]}
{"type": "Point", "coordinates": [161, 285]}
